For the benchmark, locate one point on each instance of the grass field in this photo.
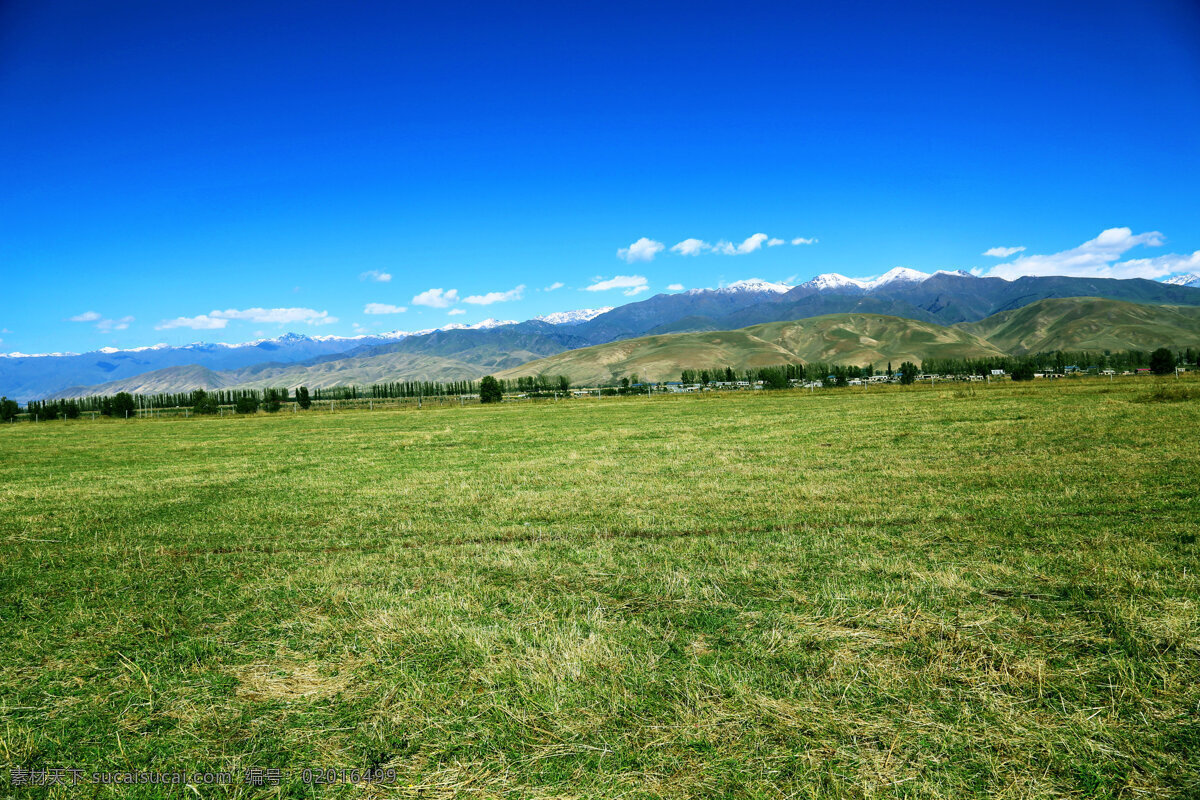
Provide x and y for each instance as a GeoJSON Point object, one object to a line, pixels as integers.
{"type": "Point", "coordinates": [927, 592]}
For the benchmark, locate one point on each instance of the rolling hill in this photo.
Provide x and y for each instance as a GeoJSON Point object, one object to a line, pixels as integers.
{"type": "Point", "coordinates": [840, 338]}
{"type": "Point", "coordinates": [1088, 323]}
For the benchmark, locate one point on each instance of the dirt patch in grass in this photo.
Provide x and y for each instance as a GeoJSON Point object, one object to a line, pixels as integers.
{"type": "Point", "coordinates": [292, 680]}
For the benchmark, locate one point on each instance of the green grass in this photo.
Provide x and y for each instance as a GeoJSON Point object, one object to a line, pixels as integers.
{"type": "Point", "coordinates": [927, 593]}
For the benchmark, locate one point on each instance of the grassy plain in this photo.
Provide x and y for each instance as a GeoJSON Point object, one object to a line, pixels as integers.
{"type": "Point", "coordinates": [929, 592]}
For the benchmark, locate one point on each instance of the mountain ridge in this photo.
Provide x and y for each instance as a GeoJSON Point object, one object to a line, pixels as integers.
{"type": "Point", "coordinates": [943, 297]}
{"type": "Point", "coordinates": [848, 338]}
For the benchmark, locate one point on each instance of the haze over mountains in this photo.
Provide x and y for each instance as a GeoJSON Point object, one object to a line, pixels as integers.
{"type": "Point", "coordinates": [459, 352]}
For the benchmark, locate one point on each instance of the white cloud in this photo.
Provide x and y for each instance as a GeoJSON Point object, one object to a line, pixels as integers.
{"type": "Point", "coordinates": [675, 287]}
{"type": "Point", "coordinates": [216, 320]}
{"type": "Point", "coordinates": [495, 297]}
{"type": "Point", "coordinates": [383, 308]}
{"type": "Point", "coordinates": [642, 250]}
{"type": "Point", "coordinates": [203, 322]}
{"type": "Point", "coordinates": [1002, 252]}
{"type": "Point", "coordinates": [109, 325]}
{"type": "Point", "coordinates": [436, 298]}
{"type": "Point", "coordinates": [553, 286]}
{"type": "Point", "coordinates": [694, 247]}
{"type": "Point", "coordinates": [1098, 258]}
{"type": "Point", "coordinates": [1160, 266]}
{"type": "Point", "coordinates": [632, 284]}
{"type": "Point", "coordinates": [802, 240]}
{"type": "Point", "coordinates": [691, 247]}
{"type": "Point", "coordinates": [748, 245]}
{"type": "Point", "coordinates": [103, 325]}
{"type": "Point", "coordinates": [280, 316]}
{"type": "Point", "coordinates": [375, 275]}
{"type": "Point", "coordinates": [456, 311]}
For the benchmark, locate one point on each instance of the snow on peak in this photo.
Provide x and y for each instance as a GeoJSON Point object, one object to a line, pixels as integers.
{"type": "Point", "coordinates": [478, 326]}
{"type": "Point", "coordinates": [17, 354]}
{"type": "Point", "coordinates": [572, 317]}
{"type": "Point", "coordinates": [756, 285]}
{"type": "Point", "coordinates": [361, 336]}
{"type": "Point", "coordinates": [1187, 279]}
{"type": "Point", "coordinates": [832, 280]}
{"type": "Point", "coordinates": [897, 275]}
{"type": "Point", "coordinates": [110, 350]}
{"type": "Point", "coordinates": [491, 323]}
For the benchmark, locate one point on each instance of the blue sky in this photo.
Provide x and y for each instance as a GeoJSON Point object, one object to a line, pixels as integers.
{"type": "Point", "coordinates": [271, 161]}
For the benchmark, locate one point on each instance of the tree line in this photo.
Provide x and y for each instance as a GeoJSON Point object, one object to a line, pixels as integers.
{"type": "Point", "coordinates": [490, 389]}
{"type": "Point", "coordinates": [780, 376]}
{"type": "Point", "coordinates": [1161, 362]}
{"type": "Point", "coordinates": [125, 405]}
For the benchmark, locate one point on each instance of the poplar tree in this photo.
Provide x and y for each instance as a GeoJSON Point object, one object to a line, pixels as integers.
{"type": "Point", "coordinates": [246, 404]}
{"type": "Point", "coordinates": [123, 405]}
{"type": "Point", "coordinates": [1162, 362]}
{"type": "Point", "coordinates": [489, 391]}
{"type": "Point", "coordinates": [203, 403]}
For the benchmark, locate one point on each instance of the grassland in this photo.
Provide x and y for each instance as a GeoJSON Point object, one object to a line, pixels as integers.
{"type": "Point", "coordinates": [889, 592]}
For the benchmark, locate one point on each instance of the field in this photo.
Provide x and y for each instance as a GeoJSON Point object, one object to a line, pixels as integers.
{"type": "Point", "coordinates": [891, 592]}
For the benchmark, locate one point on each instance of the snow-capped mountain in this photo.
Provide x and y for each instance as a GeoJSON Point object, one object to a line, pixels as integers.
{"type": "Point", "coordinates": [832, 281]}
{"type": "Point", "coordinates": [754, 285]}
{"type": "Point", "coordinates": [572, 317]}
{"type": "Point", "coordinates": [748, 286]}
{"type": "Point", "coordinates": [478, 326]}
{"type": "Point", "coordinates": [1187, 279]}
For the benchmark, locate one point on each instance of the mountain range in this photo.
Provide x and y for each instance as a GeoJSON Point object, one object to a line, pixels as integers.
{"type": "Point", "coordinates": [1076, 323]}
{"type": "Point", "coordinates": [459, 351]}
